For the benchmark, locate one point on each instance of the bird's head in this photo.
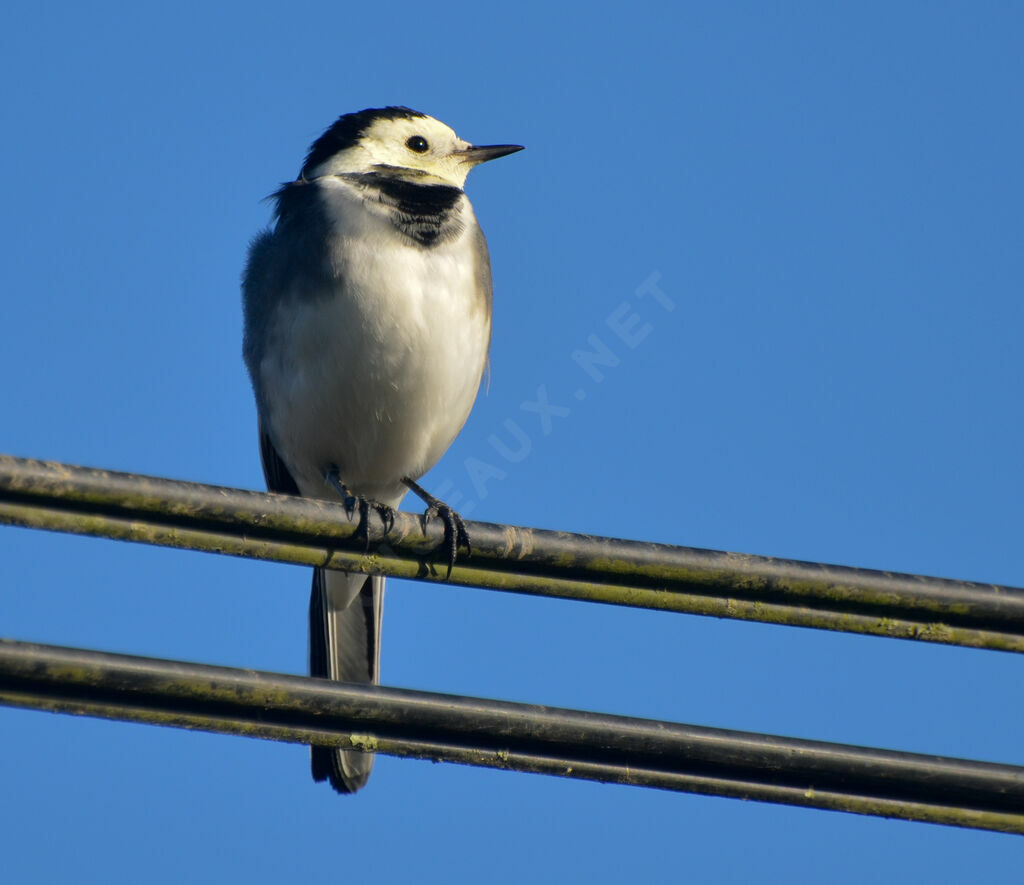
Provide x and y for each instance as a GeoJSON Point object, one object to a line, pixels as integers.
{"type": "Point", "coordinates": [397, 141]}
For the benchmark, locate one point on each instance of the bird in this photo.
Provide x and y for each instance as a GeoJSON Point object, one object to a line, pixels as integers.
{"type": "Point", "coordinates": [367, 325]}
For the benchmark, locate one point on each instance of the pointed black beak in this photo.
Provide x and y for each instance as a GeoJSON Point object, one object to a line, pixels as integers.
{"type": "Point", "coordinates": [483, 153]}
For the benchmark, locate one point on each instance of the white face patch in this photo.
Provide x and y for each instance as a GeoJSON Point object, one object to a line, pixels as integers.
{"type": "Point", "coordinates": [422, 144]}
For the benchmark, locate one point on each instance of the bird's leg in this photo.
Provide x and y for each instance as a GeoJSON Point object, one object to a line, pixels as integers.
{"type": "Point", "coordinates": [347, 498]}
{"type": "Point", "coordinates": [454, 526]}
{"type": "Point", "coordinates": [352, 502]}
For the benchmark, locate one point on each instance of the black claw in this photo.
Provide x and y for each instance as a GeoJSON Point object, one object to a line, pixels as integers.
{"type": "Point", "coordinates": [386, 514]}
{"type": "Point", "coordinates": [348, 500]}
{"type": "Point", "coordinates": [363, 529]}
{"type": "Point", "coordinates": [451, 531]}
{"type": "Point", "coordinates": [352, 502]}
{"type": "Point", "coordinates": [454, 526]}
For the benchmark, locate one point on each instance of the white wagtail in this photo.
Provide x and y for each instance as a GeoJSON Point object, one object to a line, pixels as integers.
{"type": "Point", "coordinates": [367, 323]}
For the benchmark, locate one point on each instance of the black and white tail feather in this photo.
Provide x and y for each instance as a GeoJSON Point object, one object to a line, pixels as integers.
{"type": "Point", "coordinates": [345, 614]}
{"type": "Point", "coordinates": [344, 644]}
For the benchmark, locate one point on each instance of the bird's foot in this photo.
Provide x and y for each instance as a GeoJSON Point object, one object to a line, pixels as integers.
{"type": "Point", "coordinates": [353, 502]}
{"type": "Point", "coordinates": [454, 526]}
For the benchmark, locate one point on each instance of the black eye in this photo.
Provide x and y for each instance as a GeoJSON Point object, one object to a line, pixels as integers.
{"type": "Point", "coordinates": [417, 143]}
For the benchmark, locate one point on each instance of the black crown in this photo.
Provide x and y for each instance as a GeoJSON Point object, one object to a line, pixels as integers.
{"type": "Point", "coordinates": [346, 131]}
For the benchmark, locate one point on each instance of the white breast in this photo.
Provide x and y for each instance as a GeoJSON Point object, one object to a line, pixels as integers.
{"type": "Point", "coordinates": [377, 374]}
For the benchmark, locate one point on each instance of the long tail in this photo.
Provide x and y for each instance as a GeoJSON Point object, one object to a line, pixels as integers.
{"type": "Point", "coordinates": [344, 644]}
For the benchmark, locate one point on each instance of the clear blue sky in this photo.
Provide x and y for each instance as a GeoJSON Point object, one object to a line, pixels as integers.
{"type": "Point", "coordinates": [832, 197]}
